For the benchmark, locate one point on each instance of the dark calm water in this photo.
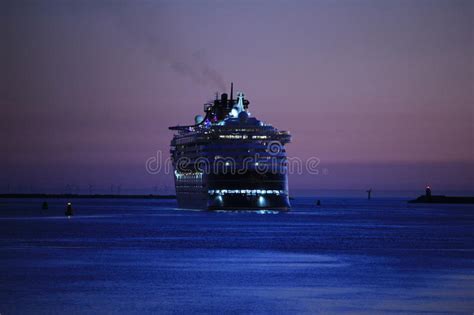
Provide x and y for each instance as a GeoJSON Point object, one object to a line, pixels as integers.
{"type": "Point", "coordinates": [134, 256]}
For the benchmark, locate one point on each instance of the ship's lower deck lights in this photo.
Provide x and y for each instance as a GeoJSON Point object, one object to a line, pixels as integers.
{"type": "Point", "coordinates": [250, 192]}
{"type": "Point", "coordinates": [262, 202]}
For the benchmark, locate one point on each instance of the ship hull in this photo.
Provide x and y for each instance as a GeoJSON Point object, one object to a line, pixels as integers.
{"type": "Point", "coordinates": [249, 191]}
{"type": "Point", "coordinates": [242, 202]}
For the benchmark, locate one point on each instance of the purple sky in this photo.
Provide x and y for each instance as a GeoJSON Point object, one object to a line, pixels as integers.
{"type": "Point", "coordinates": [380, 91]}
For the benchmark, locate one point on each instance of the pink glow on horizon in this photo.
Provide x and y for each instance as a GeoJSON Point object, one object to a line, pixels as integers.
{"type": "Point", "coordinates": [94, 86]}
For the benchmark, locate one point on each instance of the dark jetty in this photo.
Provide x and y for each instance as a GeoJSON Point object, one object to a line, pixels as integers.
{"type": "Point", "coordinates": [78, 196]}
{"type": "Point", "coordinates": [429, 198]}
{"type": "Point", "coordinates": [442, 199]}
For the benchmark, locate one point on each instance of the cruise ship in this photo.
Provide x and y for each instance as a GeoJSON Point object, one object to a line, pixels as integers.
{"type": "Point", "coordinates": [230, 160]}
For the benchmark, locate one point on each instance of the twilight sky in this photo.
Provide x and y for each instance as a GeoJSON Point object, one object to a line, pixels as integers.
{"type": "Point", "coordinates": [380, 91]}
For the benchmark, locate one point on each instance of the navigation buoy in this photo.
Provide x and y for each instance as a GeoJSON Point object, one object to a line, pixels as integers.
{"type": "Point", "coordinates": [69, 211]}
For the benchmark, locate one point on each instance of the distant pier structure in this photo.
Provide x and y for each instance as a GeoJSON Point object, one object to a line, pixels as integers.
{"type": "Point", "coordinates": [429, 198]}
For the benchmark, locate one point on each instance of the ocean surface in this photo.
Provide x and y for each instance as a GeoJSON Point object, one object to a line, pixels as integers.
{"type": "Point", "coordinates": [146, 256]}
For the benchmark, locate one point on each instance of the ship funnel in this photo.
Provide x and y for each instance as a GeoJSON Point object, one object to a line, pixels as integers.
{"type": "Point", "coordinates": [224, 102]}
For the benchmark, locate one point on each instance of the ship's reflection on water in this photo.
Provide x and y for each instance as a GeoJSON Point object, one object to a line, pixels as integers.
{"type": "Point", "coordinates": [142, 256]}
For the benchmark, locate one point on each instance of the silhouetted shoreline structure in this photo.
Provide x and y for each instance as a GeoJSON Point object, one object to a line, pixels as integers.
{"type": "Point", "coordinates": [44, 206]}
{"type": "Point", "coordinates": [429, 198]}
{"type": "Point", "coordinates": [428, 192]}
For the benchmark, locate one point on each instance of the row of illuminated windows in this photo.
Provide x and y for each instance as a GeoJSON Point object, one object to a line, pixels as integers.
{"type": "Point", "coordinates": [242, 137]}
{"type": "Point", "coordinates": [190, 175]}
